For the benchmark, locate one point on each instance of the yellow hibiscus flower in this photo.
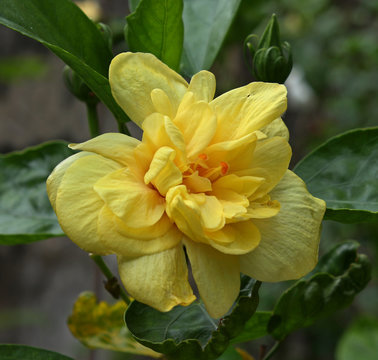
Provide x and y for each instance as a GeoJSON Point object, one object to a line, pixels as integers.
{"type": "Point", "coordinates": [210, 176]}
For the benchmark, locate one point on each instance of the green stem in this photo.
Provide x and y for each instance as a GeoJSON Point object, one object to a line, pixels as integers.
{"type": "Point", "coordinates": [122, 128]}
{"type": "Point", "coordinates": [92, 120]}
{"type": "Point", "coordinates": [109, 275]}
{"type": "Point", "coordinates": [272, 351]}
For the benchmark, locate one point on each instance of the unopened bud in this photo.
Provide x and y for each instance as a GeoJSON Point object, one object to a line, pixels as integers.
{"type": "Point", "coordinates": [78, 87]}
{"type": "Point", "coordinates": [272, 60]}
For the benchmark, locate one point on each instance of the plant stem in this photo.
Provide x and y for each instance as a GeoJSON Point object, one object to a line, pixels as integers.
{"type": "Point", "coordinates": [92, 120]}
{"type": "Point", "coordinates": [273, 350]}
{"type": "Point", "coordinates": [109, 275]}
{"type": "Point", "coordinates": [122, 128]}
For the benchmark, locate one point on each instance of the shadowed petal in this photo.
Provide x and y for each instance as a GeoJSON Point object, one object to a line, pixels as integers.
{"type": "Point", "coordinates": [131, 242]}
{"type": "Point", "coordinates": [217, 277]}
{"type": "Point", "coordinates": [159, 280]}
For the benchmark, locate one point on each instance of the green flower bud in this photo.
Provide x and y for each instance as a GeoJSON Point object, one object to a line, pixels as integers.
{"type": "Point", "coordinates": [272, 60]}
{"type": "Point", "coordinates": [78, 87]}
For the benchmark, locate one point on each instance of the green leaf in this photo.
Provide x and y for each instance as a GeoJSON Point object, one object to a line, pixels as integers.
{"type": "Point", "coordinates": [101, 326]}
{"type": "Point", "coordinates": [360, 341]}
{"type": "Point", "coordinates": [23, 352]}
{"type": "Point", "coordinates": [187, 333]}
{"type": "Point", "coordinates": [230, 354]}
{"type": "Point", "coordinates": [156, 27]}
{"type": "Point", "coordinates": [133, 5]}
{"type": "Point", "coordinates": [65, 29]}
{"type": "Point", "coordinates": [322, 294]}
{"type": "Point", "coordinates": [344, 172]}
{"type": "Point", "coordinates": [256, 327]}
{"type": "Point", "coordinates": [205, 26]}
{"type": "Point", "coordinates": [25, 213]}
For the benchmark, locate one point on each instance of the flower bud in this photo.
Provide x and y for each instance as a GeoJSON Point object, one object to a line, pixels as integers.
{"type": "Point", "coordinates": [78, 87]}
{"type": "Point", "coordinates": [272, 60]}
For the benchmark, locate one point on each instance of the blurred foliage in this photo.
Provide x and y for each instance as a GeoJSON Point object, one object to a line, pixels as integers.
{"type": "Point", "coordinates": [100, 325]}
{"type": "Point", "coordinates": [335, 44]}
{"type": "Point", "coordinates": [15, 69]}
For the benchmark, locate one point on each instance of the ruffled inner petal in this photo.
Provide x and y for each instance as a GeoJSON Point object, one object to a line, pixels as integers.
{"type": "Point", "coordinates": [163, 172]}
{"type": "Point", "coordinates": [236, 239]}
{"type": "Point", "coordinates": [270, 161]}
{"type": "Point", "coordinates": [249, 108]}
{"type": "Point", "coordinates": [137, 204]}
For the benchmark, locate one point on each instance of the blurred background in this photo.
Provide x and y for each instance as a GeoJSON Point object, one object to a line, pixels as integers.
{"type": "Point", "coordinates": [333, 88]}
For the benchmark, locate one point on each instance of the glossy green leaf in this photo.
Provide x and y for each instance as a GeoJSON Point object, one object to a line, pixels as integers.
{"type": "Point", "coordinates": [187, 333]}
{"type": "Point", "coordinates": [256, 327]}
{"type": "Point", "coordinates": [25, 212]}
{"type": "Point", "coordinates": [344, 172]}
{"type": "Point", "coordinates": [23, 352]}
{"type": "Point", "coordinates": [101, 326]}
{"type": "Point", "coordinates": [360, 341]}
{"type": "Point", "coordinates": [156, 27]}
{"type": "Point", "coordinates": [205, 26]}
{"type": "Point", "coordinates": [65, 29]}
{"type": "Point", "coordinates": [323, 293]}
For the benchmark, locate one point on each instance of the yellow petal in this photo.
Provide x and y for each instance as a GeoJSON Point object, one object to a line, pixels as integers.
{"type": "Point", "coordinates": [243, 185]}
{"type": "Point", "coordinates": [237, 153]}
{"type": "Point", "coordinates": [198, 124]}
{"type": "Point", "coordinates": [55, 178]}
{"type": "Point", "coordinates": [159, 280]}
{"type": "Point", "coordinates": [163, 173]}
{"type": "Point", "coordinates": [257, 210]}
{"type": "Point", "coordinates": [131, 242]}
{"type": "Point", "coordinates": [289, 241]}
{"type": "Point", "coordinates": [194, 213]}
{"type": "Point", "coordinates": [236, 239]}
{"type": "Point", "coordinates": [202, 85]}
{"type": "Point", "coordinates": [133, 76]}
{"type": "Point", "coordinates": [161, 102]}
{"type": "Point", "coordinates": [246, 109]}
{"type": "Point", "coordinates": [234, 204]}
{"type": "Point", "coordinates": [78, 205]}
{"type": "Point", "coordinates": [276, 128]}
{"type": "Point", "coordinates": [270, 161]}
{"type": "Point", "coordinates": [114, 146]}
{"type": "Point", "coordinates": [158, 131]}
{"type": "Point", "coordinates": [196, 183]}
{"type": "Point", "coordinates": [130, 199]}
{"type": "Point", "coordinates": [217, 277]}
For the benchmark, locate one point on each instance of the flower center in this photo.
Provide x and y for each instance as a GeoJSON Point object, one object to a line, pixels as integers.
{"type": "Point", "coordinates": [204, 170]}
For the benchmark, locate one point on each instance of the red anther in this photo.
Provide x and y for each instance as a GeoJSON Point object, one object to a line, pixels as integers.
{"type": "Point", "coordinates": [203, 156]}
{"type": "Point", "coordinates": [224, 167]}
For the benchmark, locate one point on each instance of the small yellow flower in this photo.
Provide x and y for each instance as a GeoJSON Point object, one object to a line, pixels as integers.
{"type": "Point", "coordinates": [209, 175]}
